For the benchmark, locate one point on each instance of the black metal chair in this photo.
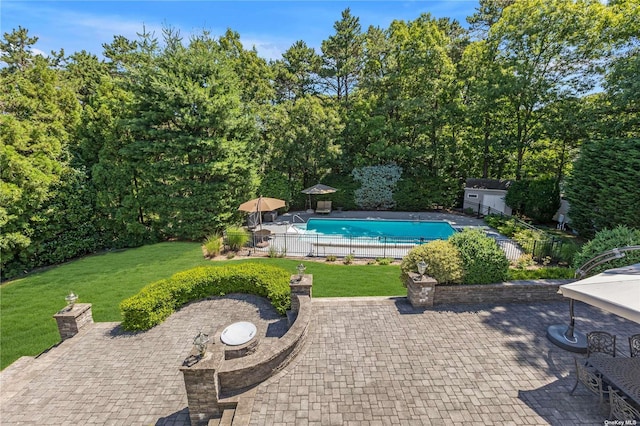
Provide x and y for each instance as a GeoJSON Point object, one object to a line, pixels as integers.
{"type": "Point", "coordinates": [620, 408]}
{"type": "Point", "coordinates": [601, 342]}
{"type": "Point", "coordinates": [588, 377]}
{"type": "Point", "coordinates": [634, 345]}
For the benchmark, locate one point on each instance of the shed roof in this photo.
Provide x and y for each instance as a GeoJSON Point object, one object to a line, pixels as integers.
{"type": "Point", "coordinates": [488, 183]}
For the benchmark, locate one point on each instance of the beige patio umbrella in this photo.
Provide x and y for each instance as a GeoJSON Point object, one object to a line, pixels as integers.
{"type": "Point", "coordinates": [318, 189]}
{"type": "Point", "coordinates": [261, 204]}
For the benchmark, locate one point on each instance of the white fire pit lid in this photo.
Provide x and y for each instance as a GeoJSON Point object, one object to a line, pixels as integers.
{"type": "Point", "coordinates": [238, 333]}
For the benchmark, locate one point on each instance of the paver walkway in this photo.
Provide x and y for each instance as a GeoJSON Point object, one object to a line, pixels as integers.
{"type": "Point", "coordinates": [366, 362]}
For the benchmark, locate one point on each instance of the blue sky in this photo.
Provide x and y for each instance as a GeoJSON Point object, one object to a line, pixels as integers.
{"type": "Point", "coordinates": [272, 26]}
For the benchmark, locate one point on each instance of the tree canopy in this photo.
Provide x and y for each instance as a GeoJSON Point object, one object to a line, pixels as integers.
{"type": "Point", "coordinates": [163, 137]}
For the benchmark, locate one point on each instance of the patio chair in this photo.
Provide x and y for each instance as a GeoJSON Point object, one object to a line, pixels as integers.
{"type": "Point", "coordinates": [634, 345]}
{"type": "Point", "coordinates": [620, 408]}
{"type": "Point", "coordinates": [323, 207]}
{"type": "Point", "coordinates": [588, 377]}
{"type": "Point", "coordinates": [601, 342]}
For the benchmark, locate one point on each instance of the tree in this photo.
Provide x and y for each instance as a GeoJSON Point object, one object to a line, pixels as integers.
{"type": "Point", "coordinates": [84, 71]}
{"type": "Point", "coordinates": [607, 198]}
{"type": "Point", "coordinates": [547, 48]}
{"type": "Point", "coordinates": [538, 199]}
{"type": "Point", "coordinates": [485, 103]}
{"type": "Point", "coordinates": [296, 73]}
{"type": "Point", "coordinates": [189, 138]}
{"type": "Point", "coordinates": [38, 114]}
{"type": "Point", "coordinates": [302, 136]}
{"type": "Point", "coordinates": [411, 104]}
{"type": "Point", "coordinates": [15, 50]}
{"type": "Point", "coordinates": [342, 57]}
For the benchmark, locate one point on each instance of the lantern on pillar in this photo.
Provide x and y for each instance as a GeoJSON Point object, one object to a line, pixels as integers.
{"type": "Point", "coordinates": [200, 343]}
{"type": "Point", "coordinates": [71, 299]}
{"type": "Point", "coordinates": [422, 267]}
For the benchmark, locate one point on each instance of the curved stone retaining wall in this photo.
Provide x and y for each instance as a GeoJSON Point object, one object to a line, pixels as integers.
{"type": "Point", "coordinates": [238, 373]}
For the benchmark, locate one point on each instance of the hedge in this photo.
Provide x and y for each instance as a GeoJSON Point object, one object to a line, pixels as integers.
{"type": "Point", "coordinates": [156, 301]}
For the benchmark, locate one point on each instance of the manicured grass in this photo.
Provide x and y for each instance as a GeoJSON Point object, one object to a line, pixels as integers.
{"type": "Point", "coordinates": [336, 280]}
{"type": "Point", "coordinates": [27, 305]}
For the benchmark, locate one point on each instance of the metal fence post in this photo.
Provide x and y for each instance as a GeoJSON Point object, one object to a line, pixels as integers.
{"type": "Point", "coordinates": [384, 247]}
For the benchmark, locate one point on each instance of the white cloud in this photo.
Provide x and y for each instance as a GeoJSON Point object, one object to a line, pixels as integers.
{"type": "Point", "coordinates": [73, 31]}
{"type": "Point", "coordinates": [267, 48]}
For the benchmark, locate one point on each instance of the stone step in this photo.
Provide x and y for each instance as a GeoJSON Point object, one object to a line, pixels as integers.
{"type": "Point", "coordinates": [227, 417]}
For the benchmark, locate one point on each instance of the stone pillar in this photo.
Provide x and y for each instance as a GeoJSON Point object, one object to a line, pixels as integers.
{"type": "Point", "coordinates": [300, 288]}
{"type": "Point", "coordinates": [71, 320]}
{"type": "Point", "coordinates": [420, 290]}
{"type": "Point", "coordinates": [201, 384]}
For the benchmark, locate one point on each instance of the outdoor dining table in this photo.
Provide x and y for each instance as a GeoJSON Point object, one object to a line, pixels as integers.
{"type": "Point", "coordinates": [623, 374]}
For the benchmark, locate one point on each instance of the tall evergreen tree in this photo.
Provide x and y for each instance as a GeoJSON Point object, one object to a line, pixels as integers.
{"type": "Point", "coordinates": [38, 115]}
{"type": "Point", "coordinates": [189, 138]}
{"type": "Point", "coordinates": [342, 57]}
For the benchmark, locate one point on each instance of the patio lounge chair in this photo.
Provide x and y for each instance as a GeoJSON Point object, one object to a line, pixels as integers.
{"type": "Point", "coordinates": [323, 207]}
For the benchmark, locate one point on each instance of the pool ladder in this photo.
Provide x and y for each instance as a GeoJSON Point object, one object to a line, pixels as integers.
{"type": "Point", "coordinates": [293, 219]}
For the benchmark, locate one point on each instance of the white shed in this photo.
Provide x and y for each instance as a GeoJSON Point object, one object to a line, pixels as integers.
{"type": "Point", "coordinates": [486, 196]}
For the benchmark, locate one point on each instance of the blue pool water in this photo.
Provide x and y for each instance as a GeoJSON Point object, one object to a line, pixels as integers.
{"type": "Point", "coordinates": [395, 229]}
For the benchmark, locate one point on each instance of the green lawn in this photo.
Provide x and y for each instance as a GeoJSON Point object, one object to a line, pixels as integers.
{"type": "Point", "coordinates": [27, 305]}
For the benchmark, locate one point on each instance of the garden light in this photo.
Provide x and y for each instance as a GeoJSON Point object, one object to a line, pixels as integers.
{"type": "Point", "coordinates": [200, 342]}
{"type": "Point", "coordinates": [422, 267]}
{"type": "Point", "coordinates": [71, 299]}
{"type": "Point", "coordinates": [301, 268]}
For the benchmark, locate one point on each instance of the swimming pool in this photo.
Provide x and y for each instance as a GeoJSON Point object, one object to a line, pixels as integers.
{"type": "Point", "coordinates": [379, 229]}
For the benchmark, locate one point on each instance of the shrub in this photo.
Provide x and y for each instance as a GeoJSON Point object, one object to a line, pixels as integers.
{"type": "Point", "coordinates": [525, 236]}
{"type": "Point", "coordinates": [567, 252]}
{"type": "Point", "coordinates": [348, 259]}
{"type": "Point", "coordinates": [605, 240]}
{"type": "Point", "coordinates": [507, 226]}
{"type": "Point", "coordinates": [331, 258]}
{"type": "Point", "coordinates": [540, 274]}
{"type": "Point", "coordinates": [483, 261]}
{"type": "Point", "coordinates": [345, 197]}
{"type": "Point", "coordinates": [384, 260]}
{"type": "Point", "coordinates": [156, 301]}
{"type": "Point", "coordinates": [417, 192]}
{"type": "Point", "coordinates": [377, 185]}
{"type": "Point", "coordinates": [443, 260]}
{"type": "Point", "coordinates": [538, 199]}
{"type": "Point", "coordinates": [213, 245]}
{"type": "Point", "coordinates": [236, 237]}
{"type": "Point", "coordinates": [524, 261]}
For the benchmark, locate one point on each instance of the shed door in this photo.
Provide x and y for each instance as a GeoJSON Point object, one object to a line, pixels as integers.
{"type": "Point", "coordinates": [493, 204]}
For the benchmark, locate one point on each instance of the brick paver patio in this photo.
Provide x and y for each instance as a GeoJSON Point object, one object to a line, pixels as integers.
{"type": "Point", "coordinates": [366, 361]}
